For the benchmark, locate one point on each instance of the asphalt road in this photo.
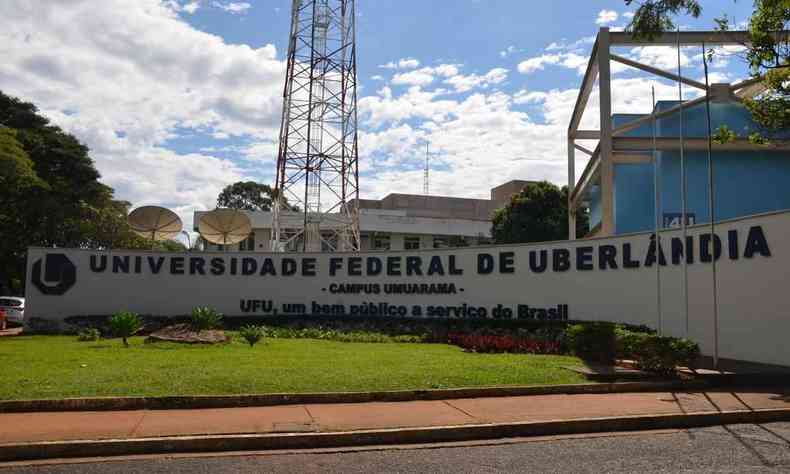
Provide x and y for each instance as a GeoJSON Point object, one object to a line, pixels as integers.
{"type": "Point", "coordinates": [736, 449]}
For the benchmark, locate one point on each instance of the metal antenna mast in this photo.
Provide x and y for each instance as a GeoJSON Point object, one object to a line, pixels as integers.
{"type": "Point", "coordinates": [426, 181]}
{"type": "Point", "coordinates": [317, 184]}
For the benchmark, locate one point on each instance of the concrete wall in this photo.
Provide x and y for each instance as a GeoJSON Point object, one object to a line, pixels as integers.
{"type": "Point", "coordinates": [751, 274]}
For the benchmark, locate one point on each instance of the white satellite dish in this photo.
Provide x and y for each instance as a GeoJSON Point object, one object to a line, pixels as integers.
{"type": "Point", "coordinates": [155, 223]}
{"type": "Point", "coordinates": [224, 226]}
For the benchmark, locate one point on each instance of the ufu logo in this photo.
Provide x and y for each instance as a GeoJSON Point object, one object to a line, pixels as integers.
{"type": "Point", "coordinates": [59, 274]}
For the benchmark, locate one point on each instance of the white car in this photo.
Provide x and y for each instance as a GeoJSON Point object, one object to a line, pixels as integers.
{"type": "Point", "coordinates": [14, 308]}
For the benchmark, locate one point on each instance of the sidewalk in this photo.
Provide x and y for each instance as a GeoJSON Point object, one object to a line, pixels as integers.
{"type": "Point", "coordinates": [18, 428]}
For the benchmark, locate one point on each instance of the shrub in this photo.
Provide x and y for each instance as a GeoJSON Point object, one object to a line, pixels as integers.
{"type": "Point", "coordinates": [205, 318]}
{"type": "Point", "coordinates": [497, 344]}
{"type": "Point", "coordinates": [252, 334]}
{"type": "Point", "coordinates": [654, 353]}
{"type": "Point", "coordinates": [593, 341]}
{"type": "Point", "coordinates": [88, 335]}
{"type": "Point", "coordinates": [125, 324]}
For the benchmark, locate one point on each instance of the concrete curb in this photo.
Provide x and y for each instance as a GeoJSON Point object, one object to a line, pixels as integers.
{"type": "Point", "coordinates": [261, 442]}
{"type": "Point", "coordinates": [231, 401]}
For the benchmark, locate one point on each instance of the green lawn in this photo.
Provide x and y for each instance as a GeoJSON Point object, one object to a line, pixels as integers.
{"type": "Point", "coordinates": [59, 366]}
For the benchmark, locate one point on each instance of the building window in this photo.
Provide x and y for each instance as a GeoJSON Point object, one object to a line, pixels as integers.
{"type": "Point", "coordinates": [440, 242]}
{"type": "Point", "coordinates": [411, 243]}
{"type": "Point", "coordinates": [381, 242]}
{"type": "Point", "coordinates": [248, 245]}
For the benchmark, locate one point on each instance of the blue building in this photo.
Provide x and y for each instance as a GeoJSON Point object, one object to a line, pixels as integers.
{"type": "Point", "coordinates": [637, 153]}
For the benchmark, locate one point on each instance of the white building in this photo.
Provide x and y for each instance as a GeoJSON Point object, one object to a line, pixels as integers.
{"type": "Point", "coordinates": [403, 221]}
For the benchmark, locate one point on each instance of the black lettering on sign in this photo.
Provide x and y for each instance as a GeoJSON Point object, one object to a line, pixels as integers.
{"type": "Point", "coordinates": [335, 264]}
{"type": "Point", "coordinates": [413, 266]}
{"type": "Point", "coordinates": [374, 266]}
{"type": "Point", "coordinates": [629, 262]}
{"type": "Point", "coordinates": [308, 267]}
{"type": "Point", "coordinates": [506, 262]}
{"type": "Point", "coordinates": [436, 267]}
{"type": "Point", "coordinates": [485, 263]}
{"type": "Point", "coordinates": [196, 265]}
{"type": "Point", "coordinates": [267, 268]}
{"type": "Point", "coordinates": [248, 266]}
{"type": "Point", "coordinates": [217, 266]}
{"type": "Point", "coordinates": [650, 259]}
{"type": "Point", "coordinates": [176, 265]}
{"type": "Point", "coordinates": [355, 266]}
{"type": "Point", "coordinates": [138, 264]}
{"type": "Point", "coordinates": [560, 260]}
{"type": "Point", "coordinates": [120, 264]}
{"type": "Point", "coordinates": [732, 241]}
{"type": "Point", "coordinates": [584, 258]}
{"type": "Point", "coordinates": [534, 265]}
{"type": "Point", "coordinates": [393, 266]}
{"type": "Point", "coordinates": [756, 243]}
{"type": "Point", "coordinates": [101, 265]}
{"type": "Point", "coordinates": [607, 257]}
{"type": "Point", "coordinates": [454, 270]}
{"type": "Point", "coordinates": [289, 267]}
{"type": "Point", "coordinates": [704, 248]}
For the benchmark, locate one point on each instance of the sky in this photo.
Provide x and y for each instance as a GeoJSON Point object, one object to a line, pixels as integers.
{"type": "Point", "coordinates": [178, 98]}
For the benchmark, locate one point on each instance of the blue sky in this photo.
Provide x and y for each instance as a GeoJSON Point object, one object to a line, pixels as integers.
{"type": "Point", "coordinates": [177, 98]}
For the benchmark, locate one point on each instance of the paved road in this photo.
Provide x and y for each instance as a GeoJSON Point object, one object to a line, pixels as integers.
{"type": "Point", "coordinates": [735, 449]}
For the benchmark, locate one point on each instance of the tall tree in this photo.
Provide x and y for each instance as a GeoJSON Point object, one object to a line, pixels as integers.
{"type": "Point", "coordinates": [50, 194]}
{"type": "Point", "coordinates": [248, 196]}
{"type": "Point", "coordinates": [539, 213]}
{"type": "Point", "coordinates": [767, 52]}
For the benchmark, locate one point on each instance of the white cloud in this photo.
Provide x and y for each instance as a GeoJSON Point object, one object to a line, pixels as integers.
{"type": "Point", "coordinates": [464, 83]}
{"type": "Point", "coordinates": [419, 77]}
{"type": "Point", "coordinates": [409, 63]}
{"type": "Point", "coordinates": [537, 63]}
{"type": "Point", "coordinates": [191, 7]}
{"type": "Point", "coordinates": [233, 7]}
{"type": "Point", "coordinates": [507, 51]}
{"type": "Point", "coordinates": [568, 60]}
{"type": "Point", "coordinates": [403, 63]}
{"type": "Point", "coordinates": [605, 17]}
{"type": "Point", "coordinates": [377, 78]}
{"type": "Point", "coordinates": [664, 57]}
{"type": "Point", "coordinates": [628, 15]}
{"type": "Point", "coordinates": [151, 78]}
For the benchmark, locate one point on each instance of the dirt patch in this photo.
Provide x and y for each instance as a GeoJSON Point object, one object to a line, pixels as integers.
{"type": "Point", "coordinates": [184, 333]}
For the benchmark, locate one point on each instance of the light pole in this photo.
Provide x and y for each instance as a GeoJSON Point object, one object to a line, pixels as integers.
{"type": "Point", "coordinates": [189, 239]}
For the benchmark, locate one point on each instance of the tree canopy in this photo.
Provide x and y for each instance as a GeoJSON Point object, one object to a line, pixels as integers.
{"type": "Point", "coordinates": [767, 52]}
{"type": "Point", "coordinates": [539, 213]}
{"type": "Point", "coordinates": [249, 196]}
{"type": "Point", "coordinates": [50, 194]}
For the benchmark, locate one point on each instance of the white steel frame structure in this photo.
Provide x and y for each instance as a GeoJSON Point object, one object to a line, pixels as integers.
{"type": "Point", "coordinates": [614, 148]}
{"type": "Point", "coordinates": [317, 163]}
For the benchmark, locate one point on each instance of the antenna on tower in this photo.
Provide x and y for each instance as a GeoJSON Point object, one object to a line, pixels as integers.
{"type": "Point", "coordinates": [426, 180]}
{"type": "Point", "coordinates": [317, 184]}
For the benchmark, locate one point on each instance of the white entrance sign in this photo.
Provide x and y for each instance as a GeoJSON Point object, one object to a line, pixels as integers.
{"type": "Point", "coordinates": [609, 279]}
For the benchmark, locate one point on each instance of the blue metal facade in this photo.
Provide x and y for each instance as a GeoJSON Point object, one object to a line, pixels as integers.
{"type": "Point", "coordinates": [745, 182]}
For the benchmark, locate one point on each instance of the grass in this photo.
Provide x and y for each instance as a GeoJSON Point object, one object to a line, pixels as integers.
{"type": "Point", "coordinates": [59, 366]}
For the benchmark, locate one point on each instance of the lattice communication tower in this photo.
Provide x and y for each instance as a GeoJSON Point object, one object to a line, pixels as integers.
{"type": "Point", "coordinates": [317, 204]}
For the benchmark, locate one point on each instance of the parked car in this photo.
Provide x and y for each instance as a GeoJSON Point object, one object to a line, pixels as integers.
{"type": "Point", "coordinates": [14, 309]}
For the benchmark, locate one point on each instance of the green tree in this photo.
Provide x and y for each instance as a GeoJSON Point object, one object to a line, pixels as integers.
{"type": "Point", "coordinates": [767, 53]}
{"type": "Point", "coordinates": [50, 194]}
{"type": "Point", "coordinates": [539, 213]}
{"type": "Point", "coordinates": [18, 179]}
{"type": "Point", "coordinates": [249, 196]}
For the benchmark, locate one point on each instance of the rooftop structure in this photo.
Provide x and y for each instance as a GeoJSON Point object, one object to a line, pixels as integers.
{"type": "Point", "coordinates": [634, 171]}
{"type": "Point", "coordinates": [399, 222]}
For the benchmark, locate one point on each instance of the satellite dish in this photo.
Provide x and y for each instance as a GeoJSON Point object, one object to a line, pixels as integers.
{"type": "Point", "coordinates": [155, 223]}
{"type": "Point", "coordinates": [224, 226]}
